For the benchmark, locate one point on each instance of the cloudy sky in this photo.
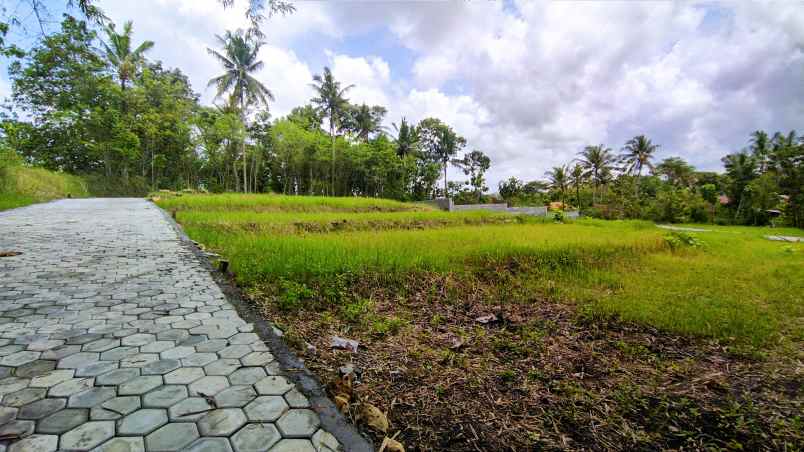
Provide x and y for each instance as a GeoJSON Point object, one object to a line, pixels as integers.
{"type": "Point", "coordinates": [528, 82]}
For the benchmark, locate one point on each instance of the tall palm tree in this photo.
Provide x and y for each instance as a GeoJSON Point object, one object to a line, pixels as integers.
{"type": "Point", "coordinates": [558, 179]}
{"type": "Point", "coordinates": [595, 160]}
{"type": "Point", "coordinates": [239, 60]}
{"type": "Point", "coordinates": [365, 121]}
{"type": "Point", "coordinates": [332, 102]}
{"type": "Point", "coordinates": [637, 154]}
{"type": "Point", "coordinates": [407, 138]}
{"type": "Point", "coordinates": [119, 54]}
{"type": "Point", "coordinates": [578, 177]}
{"type": "Point", "coordinates": [761, 147]}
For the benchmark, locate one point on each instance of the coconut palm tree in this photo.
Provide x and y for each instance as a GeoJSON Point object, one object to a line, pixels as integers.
{"type": "Point", "coordinates": [558, 179]}
{"type": "Point", "coordinates": [578, 177]}
{"type": "Point", "coordinates": [761, 148]}
{"type": "Point", "coordinates": [407, 138]}
{"type": "Point", "coordinates": [119, 54]}
{"type": "Point", "coordinates": [332, 103]}
{"type": "Point", "coordinates": [595, 160]}
{"type": "Point", "coordinates": [239, 60]}
{"type": "Point", "coordinates": [637, 154]}
{"type": "Point", "coordinates": [365, 121]}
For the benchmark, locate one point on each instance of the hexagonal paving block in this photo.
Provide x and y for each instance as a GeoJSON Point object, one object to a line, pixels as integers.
{"type": "Point", "coordinates": [296, 399]}
{"type": "Point", "coordinates": [222, 422]}
{"type": "Point", "coordinates": [36, 443]}
{"type": "Point", "coordinates": [18, 429]}
{"type": "Point", "coordinates": [19, 358]}
{"type": "Point", "coordinates": [247, 375]}
{"type": "Point", "coordinates": [165, 396]}
{"type": "Point", "coordinates": [235, 351]}
{"type": "Point", "coordinates": [212, 345]}
{"type": "Point", "coordinates": [243, 338]}
{"type": "Point", "coordinates": [61, 351]}
{"type": "Point", "coordinates": [208, 386]}
{"type": "Point", "coordinates": [160, 367]}
{"type": "Point", "coordinates": [12, 384]}
{"type": "Point", "coordinates": [101, 345]}
{"type": "Point", "coordinates": [257, 359]}
{"type": "Point", "coordinates": [7, 413]}
{"type": "Point", "coordinates": [266, 408]}
{"type": "Point", "coordinates": [157, 346]}
{"type": "Point", "coordinates": [87, 436]}
{"type": "Point", "coordinates": [222, 367]}
{"type": "Point", "coordinates": [78, 360]}
{"type": "Point", "coordinates": [140, 385]}
{"type": "Point", "coordinates": [62, 421]}
{"type": "Point", "coordinates": [138, 339]}
{"type": "Point", "coordinates": [142, 422]}
{"type": "Point", "coordinates": [70, 387]}
{"type": "Point", "coordinates": [293, 445]}
{"type": "Point", "coordinates": [122, 405]}
{"type": "Point", "coordinates": [41, 408]}
{"type": "Point", "coordinates": [116, 354]}
{"type": "Point", "coordinates": [235, 397]}
{"type": "Point", "coordinates": [172, 437]}
{"type": "Point", "coordinates": [184, 375]}
{"type": "Point", "coordinates": [35, 368]}
{"type": "Point", "coordinates": [177, 352]}
{"type": "Point", "coordinates": [255, 438]}
{"type": "Point", "coordinates": [139, 360]}
{"type": "Point", "coordinates": [91, 397]}
{"type": "Point", "coordinates": [95, 369]}
{"type": "Point", "coordinates": [210, 445]}
{"type": "Point", "coordinates": [298, 423]}
{"type": "Point", "coordinates": [122, 444]}
{"type": "Point", "coordinates": [117, 377]}
{"type": "Point", "coordinates": [198, 359]}
{"type": "Point", "coordinates": [273, 385]}
{"type": "Point", "coordinates": [190, 409]}
{"type": "Point", "coordinates": [324, 441]}
{"type": "Point", "coordinates": [23, 397]}
{"type": "Point", "coordinates": [52, 378]}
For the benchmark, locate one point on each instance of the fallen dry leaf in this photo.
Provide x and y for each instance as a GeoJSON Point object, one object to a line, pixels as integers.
{"type": "Point", "coordinates": [342, 402]}
{"type": "Point", "coordinates": [484, 319]}
{"type": "Point", "coordinates": [373, 417]}
{"type": "Point", "coordinates": [9, 253]}
{"type": "Point", "coordinates": [391, 445]}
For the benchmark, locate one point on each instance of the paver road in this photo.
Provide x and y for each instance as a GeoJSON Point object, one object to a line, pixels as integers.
{"type": "Point", "coordinates": [114, 337]}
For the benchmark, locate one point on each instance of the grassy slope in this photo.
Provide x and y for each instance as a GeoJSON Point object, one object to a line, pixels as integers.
{"type": "Point", "coordinates": [21, 186]}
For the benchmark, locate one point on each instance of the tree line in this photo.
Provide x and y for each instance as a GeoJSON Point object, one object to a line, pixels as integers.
{"type": "Point", "coordinates": [762, 183]}
{"type": "Point", "coordinates": [90, 102]}
{"type": "Point", "coordinates": [87, 100]}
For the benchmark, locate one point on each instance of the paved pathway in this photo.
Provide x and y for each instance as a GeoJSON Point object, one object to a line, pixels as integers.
{"type": "Point", "coordinates": [113, 337]}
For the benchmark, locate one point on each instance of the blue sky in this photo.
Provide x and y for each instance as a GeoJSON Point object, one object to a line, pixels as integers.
{"type": "Point", "coordinates": [528, 82]}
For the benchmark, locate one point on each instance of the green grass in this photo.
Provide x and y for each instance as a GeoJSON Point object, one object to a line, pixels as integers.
{"type": "Point", "coordinates": [21, 186]}
{"type": "Point", "coordinates": [285, 222]}
{"type": "Point", "coordinates": [283, 203]}
{"type": "Point", "coordinates": [738, 287]}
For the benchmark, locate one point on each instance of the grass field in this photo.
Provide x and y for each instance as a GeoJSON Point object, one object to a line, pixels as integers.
{"type": "Point", "coordinates": [21, 186]}
{"type": "Point", "coordinates": [638, 308]}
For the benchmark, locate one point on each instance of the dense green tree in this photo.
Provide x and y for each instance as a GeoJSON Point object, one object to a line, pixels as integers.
{"type": "Point", "coordinates": [440, 143]}
{"type": "Point", "coordinates": [475, 164]}
{"type": "Point", "coordinates": [364, 121]}
{"type": "Point", "coordinates": [741, 168]}
{"type": "Point", "coordinates": [676, 171]}
{"type": "Point", "coordinates": [577, 177]}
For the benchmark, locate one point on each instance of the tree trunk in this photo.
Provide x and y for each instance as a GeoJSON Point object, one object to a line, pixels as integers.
{"type": "Point", "coordinates": [243, 145]}
{"type": "Point", "coordinates": [446, 195]}
{"type": "Point", "coordinates": [332, 152]}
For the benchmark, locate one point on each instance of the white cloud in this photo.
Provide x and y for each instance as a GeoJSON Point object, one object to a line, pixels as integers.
{"type": "Point", "coordinates": [531, 82]}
